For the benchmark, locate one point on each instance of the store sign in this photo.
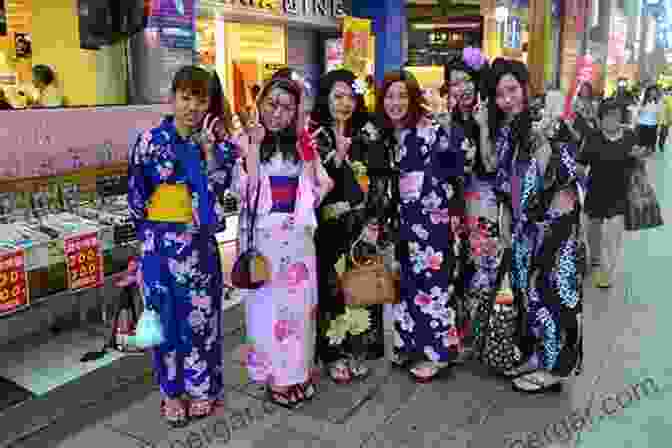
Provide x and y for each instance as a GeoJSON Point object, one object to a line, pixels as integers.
{"type": "Point", "coordinates": [13, 281]}
{"type": "Point", "coordinates": [84, 261]}
{"type": "Point", "coordinates": [174, 20]}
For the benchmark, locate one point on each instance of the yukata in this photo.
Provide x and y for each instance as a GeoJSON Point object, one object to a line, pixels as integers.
{"type": "Point", "coordinates": [431, 164]}
{"type": "Point", "coordinates": [342, 217]}
{"type": "Point", "coordinates": [548, 251]}
{"type": "Point", "coordinates": [180, 268]}
{"type": "Point", "coordinates": [281, 315]}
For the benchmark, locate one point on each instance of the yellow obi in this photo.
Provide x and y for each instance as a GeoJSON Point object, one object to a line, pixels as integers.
{"type": "Point", "coordinates": [170, 203]}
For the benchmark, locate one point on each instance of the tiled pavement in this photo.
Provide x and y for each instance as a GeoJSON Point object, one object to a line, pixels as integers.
{"type": "Point", "coordinates": [468, 409]}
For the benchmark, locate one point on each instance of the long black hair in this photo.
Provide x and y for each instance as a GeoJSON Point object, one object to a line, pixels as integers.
{"type": "Point", "coordinates": [321, 114]}
{"type": "Point", "coordinates": [522, 124]}
{"type": "Point", "coordinates": [285, 140]}
{"type": "Point", "coordinates": [471, 128]}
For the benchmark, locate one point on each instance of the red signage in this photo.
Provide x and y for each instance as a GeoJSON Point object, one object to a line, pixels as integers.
{"type": "Point", "coordinates": [584, 73]}
{"type": "Point", "coordinates": [85, 261]}
{"type": "Point", "coordinates": [13, 281]}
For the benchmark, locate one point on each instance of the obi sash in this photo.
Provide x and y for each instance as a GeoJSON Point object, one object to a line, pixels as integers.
{"type": "Point", "coordinates": [283, 192]}
{"type": "Point", "coordinates": [170, 203]}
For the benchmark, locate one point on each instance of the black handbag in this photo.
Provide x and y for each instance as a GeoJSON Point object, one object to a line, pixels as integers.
{"type": "Point", "coordinates": [252, 270]}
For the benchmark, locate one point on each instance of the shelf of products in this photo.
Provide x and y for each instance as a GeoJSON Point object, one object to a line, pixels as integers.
{"type": "Point", "coordinates": [71, 245]}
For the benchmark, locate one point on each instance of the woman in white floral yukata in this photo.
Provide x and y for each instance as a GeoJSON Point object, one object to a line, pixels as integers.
{"type": "Point", "coordinates": [174, 177]}
{"type": "Point", "coordinates": [430, 161]}
{"type": "Point", "coordinates": [281, 315]}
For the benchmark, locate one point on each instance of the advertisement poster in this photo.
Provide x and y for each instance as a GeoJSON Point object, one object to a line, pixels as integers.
{"type": "Point", "coordinates": [584, 73]}
{"type": "Point", "coordinates": [356, 34]}
{"type": "Point", "coordinates": [13, 281]}
{"type": "Point", "coordinates": [334, 54]}
{"type": "Point", "coordinates": [175, 22]}
{"type": "Point", "coordinates": [84, 261]}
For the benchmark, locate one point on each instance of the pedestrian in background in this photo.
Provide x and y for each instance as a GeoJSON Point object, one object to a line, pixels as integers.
{"type": "Point", "coordinates": [650, 112]}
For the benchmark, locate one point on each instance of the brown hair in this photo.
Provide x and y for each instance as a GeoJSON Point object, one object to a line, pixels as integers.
{"type": "Point", "coordinates": [415, 99]}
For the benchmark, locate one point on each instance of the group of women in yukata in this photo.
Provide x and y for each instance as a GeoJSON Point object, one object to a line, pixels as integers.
{"type": "Point", "coordinates": [457, 196]}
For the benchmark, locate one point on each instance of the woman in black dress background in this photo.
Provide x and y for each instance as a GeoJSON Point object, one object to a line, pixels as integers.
{"type": "Point", "coordinates": [611, 155]}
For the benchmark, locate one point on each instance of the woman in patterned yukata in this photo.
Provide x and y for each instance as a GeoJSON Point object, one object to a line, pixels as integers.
{"type": "Point", "coordinates": [174, 177]}
{"type": "Point", "coordinates": [343, 135]}
{"type": "Point", "coordinates": [484, 248]}
{"type": "Point", "coordinates": [430, 161]}
{"type": "Point", "coordinates": [540, 209]}
{"type": "Point", "coordinates": [281, 315]}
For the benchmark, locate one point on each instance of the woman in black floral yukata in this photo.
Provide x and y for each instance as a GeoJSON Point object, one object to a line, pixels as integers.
{"type": "Point", "coordinates": [538, 192]}
{"type": "Point", "coordinates": [344, 136]}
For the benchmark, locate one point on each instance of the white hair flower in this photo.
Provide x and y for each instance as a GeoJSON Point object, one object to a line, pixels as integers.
{"type": "Point", "coordinates": [359, 87]}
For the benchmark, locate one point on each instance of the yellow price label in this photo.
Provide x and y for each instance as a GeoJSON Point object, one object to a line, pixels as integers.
{"type": "Point", "coordinates": [92, 268]}
{"type": "Point", "coordinates": [82, 258]}
{"type": "Point", "coordinates": [16, 291]}
{"type": "Point", "coordinates": [14, 277]}
{"type": "Point", "coordinates": [4, 279]}
{"type": "Point", "coordinates": [91, 255]}
{"type": "Point", "coordinates": [4, 295]}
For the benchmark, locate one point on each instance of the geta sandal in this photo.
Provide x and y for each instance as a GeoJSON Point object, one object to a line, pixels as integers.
{"type": "Point", "coordinates": [174, 414]}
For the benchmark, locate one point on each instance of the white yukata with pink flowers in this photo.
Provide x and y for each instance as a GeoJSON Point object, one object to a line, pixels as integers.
{"type": "Point", "coordinates": [281, 316]}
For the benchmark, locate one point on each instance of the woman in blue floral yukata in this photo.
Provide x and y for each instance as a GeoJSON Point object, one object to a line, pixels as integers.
{"type": "Point", "coordinates": [430, 162]}
{"type": "Point", "coordinates": [540, 220]}
{"type": "Point", "coordinates": [176, 170]}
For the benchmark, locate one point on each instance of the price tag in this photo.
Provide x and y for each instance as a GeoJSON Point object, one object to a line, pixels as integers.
{"type": "Point", "coordinates": [13, 281]}
{"type": "Point", "coordinates": [84, 257]}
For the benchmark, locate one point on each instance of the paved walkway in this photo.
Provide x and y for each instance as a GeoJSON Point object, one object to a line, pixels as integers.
{"type": "Point", "coordinates": [627, 361]}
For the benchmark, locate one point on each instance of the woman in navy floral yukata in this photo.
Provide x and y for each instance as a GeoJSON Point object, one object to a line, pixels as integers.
{"type": "Point", "coordinates": [539, 194]}
{"type": "Point", "coordinates": [430, 162]}
{"type": "Point", "coordinates": [175, 172]}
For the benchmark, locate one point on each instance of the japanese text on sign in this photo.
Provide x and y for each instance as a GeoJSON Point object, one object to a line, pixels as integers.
{"type": "Point", "coordinates": [85, 262]}
{"type": "Point", "coordinates": [13, 283]}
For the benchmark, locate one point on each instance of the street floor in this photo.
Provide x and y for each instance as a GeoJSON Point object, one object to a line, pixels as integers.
{"type": "Point", "coordinates": [618, 401]}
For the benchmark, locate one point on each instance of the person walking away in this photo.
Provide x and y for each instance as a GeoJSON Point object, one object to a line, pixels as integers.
{"type": "Point", "coordinates": [649, 114]}
{"type": "Point", "coordinates": [610, 155]}
{"type": "Point", "coordinates": [540, 220]}
{"type": "Point", "coordinates": [174, 177]}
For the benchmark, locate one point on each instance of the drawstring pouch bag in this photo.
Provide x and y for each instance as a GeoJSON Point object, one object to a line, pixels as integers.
{"type": "Point", "coordinates": [252, 270]}
{"type": "Point", "coordinates": [149, 331]}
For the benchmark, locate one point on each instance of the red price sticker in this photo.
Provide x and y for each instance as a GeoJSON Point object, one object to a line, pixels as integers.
{"type": "Point", "coordinates": [13, 281]}
{"type": "Point", "coordinates": [85, 261]}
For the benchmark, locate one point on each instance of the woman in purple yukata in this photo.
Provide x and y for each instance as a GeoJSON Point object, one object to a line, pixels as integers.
{"type": "Point", "coordinates": [289, 185]}
{"type": "Point", "coordinates": [176, 170]}
{"type": "Point", "coordinates": [538, 191]}
{"type": "Point", "coordinates": [430, 162]}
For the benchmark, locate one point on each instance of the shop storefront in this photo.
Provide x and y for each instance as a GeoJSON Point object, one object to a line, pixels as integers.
{"type": "Point", "coordinates": [246, 44]}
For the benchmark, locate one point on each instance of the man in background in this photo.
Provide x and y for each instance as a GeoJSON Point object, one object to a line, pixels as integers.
{"type": "Point", "coordinates": [48, 93]}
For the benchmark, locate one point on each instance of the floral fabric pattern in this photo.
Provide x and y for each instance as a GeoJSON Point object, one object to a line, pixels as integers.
{"type": "Point", "coordinates": [548, 250]}
{"type": "Point", "coordinates": [431, 166]}
{"type": "Point", "coordinates": [179, 264]}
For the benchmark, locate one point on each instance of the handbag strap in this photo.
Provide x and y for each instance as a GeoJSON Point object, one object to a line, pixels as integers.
{"type": "Point", "coordinates": [252, 212]}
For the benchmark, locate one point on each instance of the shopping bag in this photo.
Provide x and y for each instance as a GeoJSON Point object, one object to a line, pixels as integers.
{"type": "Point", "coordinates": [149, 331]}
{"type": "Point", "coordinates": [642, 210]}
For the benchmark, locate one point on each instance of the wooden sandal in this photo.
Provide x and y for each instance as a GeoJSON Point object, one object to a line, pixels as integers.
{"type": "Point", "coordinates": [287, 399]}
{"type": "Point", "coordinates": [340, 372]}
{"type": "Point", "coordinates": [199, 409]}
{"type": "Point", "coordinates": [174, 414]}
{"type": "Point", "coordinates": [438, 369]}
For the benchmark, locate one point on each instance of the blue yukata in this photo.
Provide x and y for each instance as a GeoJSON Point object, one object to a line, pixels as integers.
{"type": "Point", "coordinates": [180, 268]}
{"type": "Point", "coordinates": [431, 164]}
{"type": "Point", "coordinates": [548, 252]}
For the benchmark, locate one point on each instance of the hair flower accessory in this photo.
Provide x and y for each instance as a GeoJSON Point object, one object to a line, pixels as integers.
{"type": "Point", "coordinates": [473, 58]}
{"type": "Point", "coordinates": [359, 87]}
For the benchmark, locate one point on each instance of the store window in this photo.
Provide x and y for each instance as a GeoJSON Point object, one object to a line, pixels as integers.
{"type": "Point", "coordinates": [80, 44]}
